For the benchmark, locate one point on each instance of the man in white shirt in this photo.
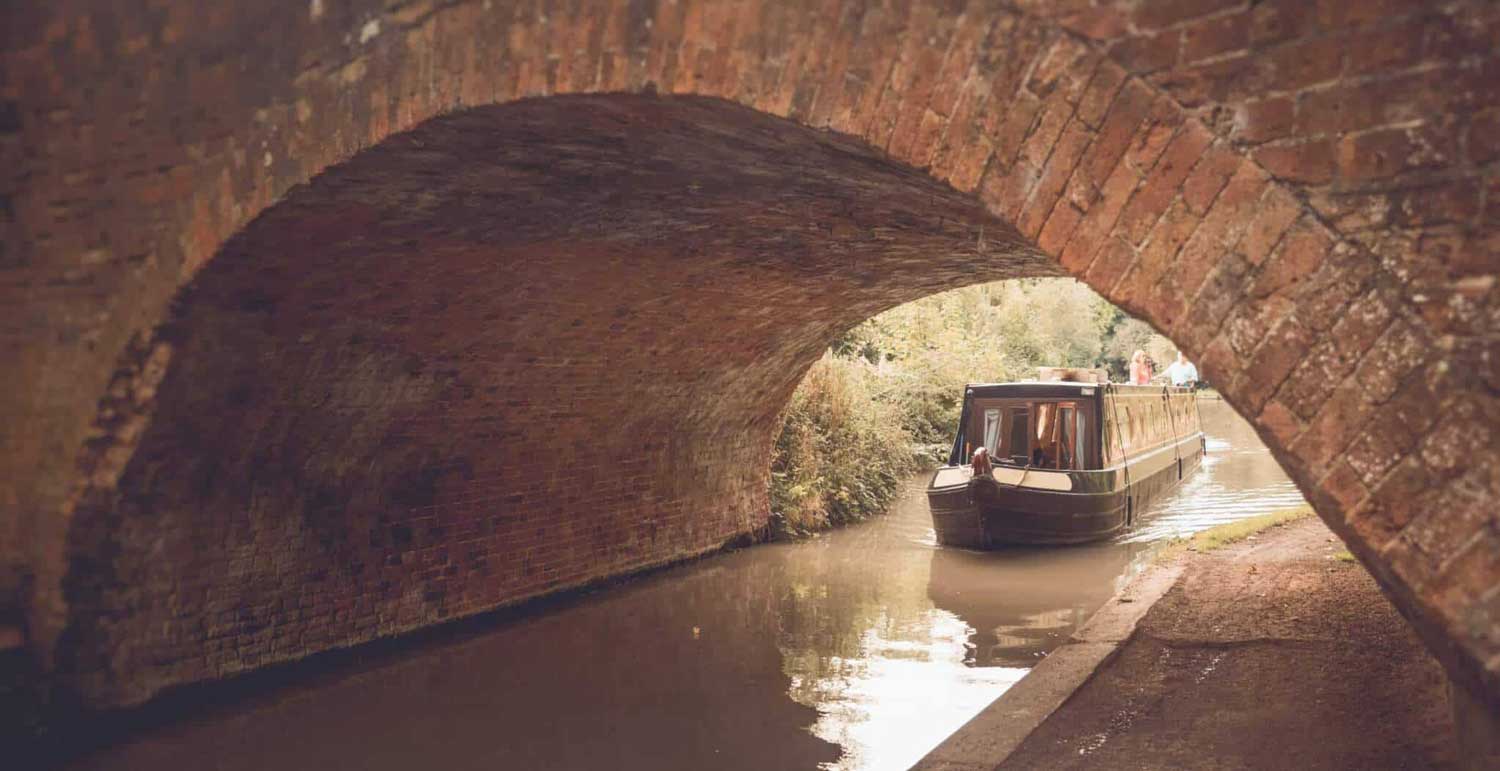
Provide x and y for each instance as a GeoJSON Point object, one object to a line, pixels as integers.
{"type": "Point", "coordinates": [1182, 372]}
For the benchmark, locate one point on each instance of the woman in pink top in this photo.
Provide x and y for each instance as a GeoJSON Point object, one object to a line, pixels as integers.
{"type": "Point", "coordinates": [1140, 369]}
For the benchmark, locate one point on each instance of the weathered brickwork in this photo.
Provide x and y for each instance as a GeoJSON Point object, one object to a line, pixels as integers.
{"type": "Point", "coordinates": [526, 346]}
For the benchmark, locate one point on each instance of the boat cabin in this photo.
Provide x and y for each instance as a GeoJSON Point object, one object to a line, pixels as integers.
{"type": "Point", "coordinates": [1041, 425]}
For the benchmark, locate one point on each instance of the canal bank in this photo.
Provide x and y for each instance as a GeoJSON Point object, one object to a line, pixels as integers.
{"type": "Point", "coordinates": [1273, 652]}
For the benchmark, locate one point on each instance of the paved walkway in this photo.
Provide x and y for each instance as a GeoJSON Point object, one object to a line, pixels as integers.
{"type": "Point", "coordinates": [1267, 654]}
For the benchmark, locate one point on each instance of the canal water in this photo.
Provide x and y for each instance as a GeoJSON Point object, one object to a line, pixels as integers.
{"type": "Point", "coordinates": [860, 649]}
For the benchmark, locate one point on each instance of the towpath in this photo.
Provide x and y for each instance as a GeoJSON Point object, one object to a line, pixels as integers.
{"type": "Point", "coordinates": [1269, 653]}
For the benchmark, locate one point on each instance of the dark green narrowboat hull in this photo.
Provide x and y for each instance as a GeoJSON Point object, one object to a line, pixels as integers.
{"type": "Point", "coordinates": [985, 514]}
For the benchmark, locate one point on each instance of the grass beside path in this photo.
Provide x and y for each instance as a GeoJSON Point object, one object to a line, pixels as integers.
{"type": "Point", "coordinates": [1232, 532]}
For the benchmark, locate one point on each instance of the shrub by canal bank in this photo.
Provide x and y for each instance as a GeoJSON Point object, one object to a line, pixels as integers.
{"type": "Point", "coordinates": [840, 455]}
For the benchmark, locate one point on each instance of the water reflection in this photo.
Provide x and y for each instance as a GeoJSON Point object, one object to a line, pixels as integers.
{"type": "Point", "coordinates": [1238, 479]}
{"type": "Point", "coordinates": [1023, 603]}
{"type": "Point", "coordinates": [861, 649]}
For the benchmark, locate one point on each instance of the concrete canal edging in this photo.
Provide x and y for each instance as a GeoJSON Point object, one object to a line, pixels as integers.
{"type": "Point", "coordinates": [992, 735]}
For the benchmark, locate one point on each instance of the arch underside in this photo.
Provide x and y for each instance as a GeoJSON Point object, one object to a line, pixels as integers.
{"type": "Point", "coordinates": [406, 390]}
{"type": "Point", "coordinates": [517, 349]}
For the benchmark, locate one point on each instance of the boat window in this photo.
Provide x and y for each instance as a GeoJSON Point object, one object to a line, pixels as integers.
{"type": "Point", "coordinates": [1017, 445]}
{"type": "Point", "coordinates": [1066, 452]}
{"type": "Point", "coordinates": [1039, 447]}
{"type": "Point", "coordinates": [992, 431]}
{"type": "Point", "coordinates": [1058, 436]}
{"type": "Point", "coordinates": [1078, 435]}
{"type": "Point", "coordinates": [1046, 434]}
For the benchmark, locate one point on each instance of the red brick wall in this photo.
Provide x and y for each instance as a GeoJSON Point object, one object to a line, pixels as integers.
{"type": "Point", "coordinates": [1300, 193]}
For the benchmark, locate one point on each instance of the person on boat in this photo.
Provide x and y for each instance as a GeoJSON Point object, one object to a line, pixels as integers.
{"type": "Point", "coordinates": [1182, 372]}
{"type": "Point", "coordinates": [981, 462]}
{"type": "Point", "coordinates": [1140, 368]}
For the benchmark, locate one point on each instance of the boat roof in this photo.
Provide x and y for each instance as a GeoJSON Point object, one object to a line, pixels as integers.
{"type": "Point", "coordinates": [1030, 388]}
{"type": "Point", "coordinates": [1022, 388]}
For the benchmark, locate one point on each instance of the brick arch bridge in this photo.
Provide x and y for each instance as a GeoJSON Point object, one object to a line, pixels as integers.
{"type": "Point", "coordinates": [526, 340]}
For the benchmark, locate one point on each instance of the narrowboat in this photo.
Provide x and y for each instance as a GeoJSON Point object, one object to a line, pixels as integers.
{"type": "Point", "coordinates": [1067, 458]}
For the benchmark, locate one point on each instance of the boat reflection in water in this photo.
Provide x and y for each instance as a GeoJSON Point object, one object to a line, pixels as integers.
{"type": "Point", "coordinates": [1021, 603]}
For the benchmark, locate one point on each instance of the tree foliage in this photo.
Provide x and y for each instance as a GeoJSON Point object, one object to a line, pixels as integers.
{"type": "Point", "coordinates": [841, 451]}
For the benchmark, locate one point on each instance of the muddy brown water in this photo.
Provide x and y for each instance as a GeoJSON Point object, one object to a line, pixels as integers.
{"type": "Point", "coordinates": [860, 649]}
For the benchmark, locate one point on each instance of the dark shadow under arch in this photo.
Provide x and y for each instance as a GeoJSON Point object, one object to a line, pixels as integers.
{"type": "Point", "coordinates": [516, 349]}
